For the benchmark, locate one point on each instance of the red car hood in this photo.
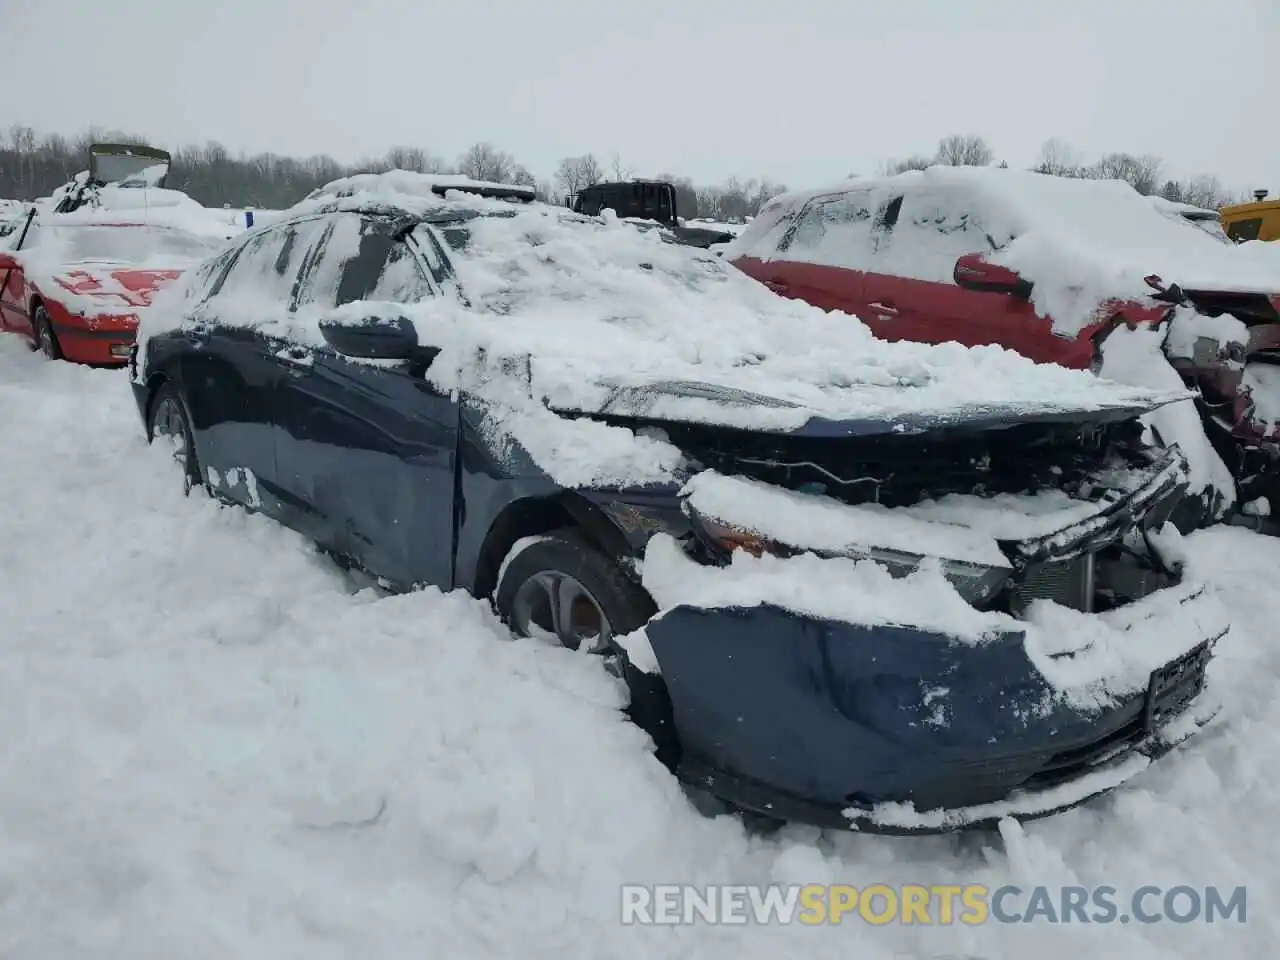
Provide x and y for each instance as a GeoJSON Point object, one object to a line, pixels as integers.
{"type": "Point", "coordinates": [116, 286]}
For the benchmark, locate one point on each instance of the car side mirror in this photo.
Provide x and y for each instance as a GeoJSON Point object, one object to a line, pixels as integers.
{"type": "Point", "coordinates": [972, 272]}
{"type": "Point", "coordinates": [372, 338]}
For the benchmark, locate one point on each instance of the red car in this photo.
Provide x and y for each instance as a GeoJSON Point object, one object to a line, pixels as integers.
{"type": "Point", "coordinates": [74, 287]}
{"type": "Point", "coordinates": [1048, 267]}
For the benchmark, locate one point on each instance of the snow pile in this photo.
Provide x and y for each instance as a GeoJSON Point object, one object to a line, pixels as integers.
{"type": "Point", "coordinates": [595, 316]}
{"type": "Point", "coordinates": [151, 205]}
{"type": "Point", "coordinates": [217, 747]}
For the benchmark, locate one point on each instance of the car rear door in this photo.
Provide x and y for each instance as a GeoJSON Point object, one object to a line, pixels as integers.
{"type": "Point", "coordinates": [230, 374]}
{"type": "Point", "coordinates": [366, 450]}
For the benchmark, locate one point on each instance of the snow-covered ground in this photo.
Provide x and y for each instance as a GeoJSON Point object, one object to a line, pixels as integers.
{"type": "Point", "coordinates": [218, 746]}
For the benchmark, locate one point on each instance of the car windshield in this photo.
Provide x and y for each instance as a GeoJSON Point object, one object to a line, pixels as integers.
{"type": "Point", "coordinates": [132, 243]}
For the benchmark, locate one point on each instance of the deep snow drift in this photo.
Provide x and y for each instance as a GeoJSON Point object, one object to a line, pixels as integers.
{"type": "Point", "coordinates": [216, 747]}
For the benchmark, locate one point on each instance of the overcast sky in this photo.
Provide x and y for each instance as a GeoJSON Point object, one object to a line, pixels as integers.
{"type": "Point", "coordinates": [803, 91]}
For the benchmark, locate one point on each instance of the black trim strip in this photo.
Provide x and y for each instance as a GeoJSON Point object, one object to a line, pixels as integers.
{"type": "Point", "coordinates": [71, 330]}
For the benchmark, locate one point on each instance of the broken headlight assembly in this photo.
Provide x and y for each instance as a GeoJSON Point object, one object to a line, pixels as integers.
{"type": "Point", "coordinates": [977, 583]}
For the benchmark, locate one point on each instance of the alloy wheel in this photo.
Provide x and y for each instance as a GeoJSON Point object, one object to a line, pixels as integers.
{"type": "Point", "coordinates": [554, 604]}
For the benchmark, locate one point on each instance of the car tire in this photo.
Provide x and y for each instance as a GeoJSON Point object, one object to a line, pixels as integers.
{"type": "Point", "coordinates": [625, 606]}
{"type": "Point", "coordinates": [564, 586]}
{"type": "Point", "coordinates": [167, 417]}
{"type": "Point", "coordinates": [45, 340]}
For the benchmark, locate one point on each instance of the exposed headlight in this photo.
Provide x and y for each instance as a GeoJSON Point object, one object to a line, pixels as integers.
{"type": "Point", "coordinates": [976, 582]}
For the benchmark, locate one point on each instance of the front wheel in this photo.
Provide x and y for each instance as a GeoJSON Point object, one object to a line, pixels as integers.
{"type": "Point", "coordinates": [46, 342]}
{"type": "Point", "coordinates": [168, 423]}
{"type": "Point", "coordinates": [562, 587]}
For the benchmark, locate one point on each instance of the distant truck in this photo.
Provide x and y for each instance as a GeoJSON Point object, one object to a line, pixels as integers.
{"type": "Point", "coordinates": [656, 200]}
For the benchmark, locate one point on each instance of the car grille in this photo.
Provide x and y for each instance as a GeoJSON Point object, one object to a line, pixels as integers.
{"type": "Point", "coordinates": [1067, 582]}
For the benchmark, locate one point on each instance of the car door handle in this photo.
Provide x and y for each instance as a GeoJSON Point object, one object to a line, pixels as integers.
{"type": "Point", "coordinates": [886, 308]}
{"type": "Point", "coordinates": [776, 286]}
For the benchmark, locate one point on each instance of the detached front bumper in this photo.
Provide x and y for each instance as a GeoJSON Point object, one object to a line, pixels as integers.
{"type": "Point", "coordinates": [894, 729]}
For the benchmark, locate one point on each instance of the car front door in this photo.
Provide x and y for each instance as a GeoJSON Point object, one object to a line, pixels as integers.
{"type": "Point", "coordinates": [230, 375]}
{"type": "Point", "coordinates": [15, 313]}
{"type": "Point", "coordinates": [820, 257]}
{"type": "Point", "coordinates": [13, 310]}
{"type": "Point", "coordinates": [918, 236]}
{"type": "Point", "coordinates": [366, 451]}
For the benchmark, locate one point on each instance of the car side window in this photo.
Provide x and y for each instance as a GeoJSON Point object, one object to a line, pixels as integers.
{"type": "Point", "coordinates": [832, 231]}
{"type": "Point", "coordinates": [210, 273]}
{"type": "Point", "coordinates": [361, 258]}
{"type": "Point", "coordinates": [931, 229]}
{"type": "Point", "coordinates": [266, 268]}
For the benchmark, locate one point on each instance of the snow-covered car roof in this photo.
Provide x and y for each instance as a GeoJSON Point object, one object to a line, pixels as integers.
{"type": "Point", "coordinates": [396, 185]}
{"type": "Point", "coordinates": [1079, 242]}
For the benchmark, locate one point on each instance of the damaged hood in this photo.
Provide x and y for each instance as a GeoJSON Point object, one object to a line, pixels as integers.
{"type": "Point", "coordinates": [884, 410]}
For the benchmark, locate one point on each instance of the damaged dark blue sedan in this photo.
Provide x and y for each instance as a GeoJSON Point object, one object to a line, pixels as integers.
{"type": "Point", "coordinates": [882, 587]}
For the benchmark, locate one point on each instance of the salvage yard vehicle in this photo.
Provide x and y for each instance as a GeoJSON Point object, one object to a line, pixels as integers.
{"type": "Point", "coordinates": [1259, 220]}
{"type": "Point", "coordinates": [918, 590]}
{"type": "Point", "coordinates": [118, 165]}
{"type": "Point", "coordinates": [1063, 271]}
{"type": "Point", "coordinates": [73, 285]}
{"type": "Point", "coordinates": [658, 201]}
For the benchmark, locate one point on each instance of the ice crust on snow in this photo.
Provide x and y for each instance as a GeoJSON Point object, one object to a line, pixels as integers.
{"type": "Point", "coordinates": [594, 315]}
{"type": "Point", "coordinates": [1080, 242]}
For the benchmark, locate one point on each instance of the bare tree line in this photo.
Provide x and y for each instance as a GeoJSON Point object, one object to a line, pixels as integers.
{"type": "Point", "coordinates": [33, 166]}
{"type": "Point", "coordinates": [1145, 173]}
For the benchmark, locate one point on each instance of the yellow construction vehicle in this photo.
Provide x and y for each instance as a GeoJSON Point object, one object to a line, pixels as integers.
{"type": "Point", "coordinates": [1259, 220]}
